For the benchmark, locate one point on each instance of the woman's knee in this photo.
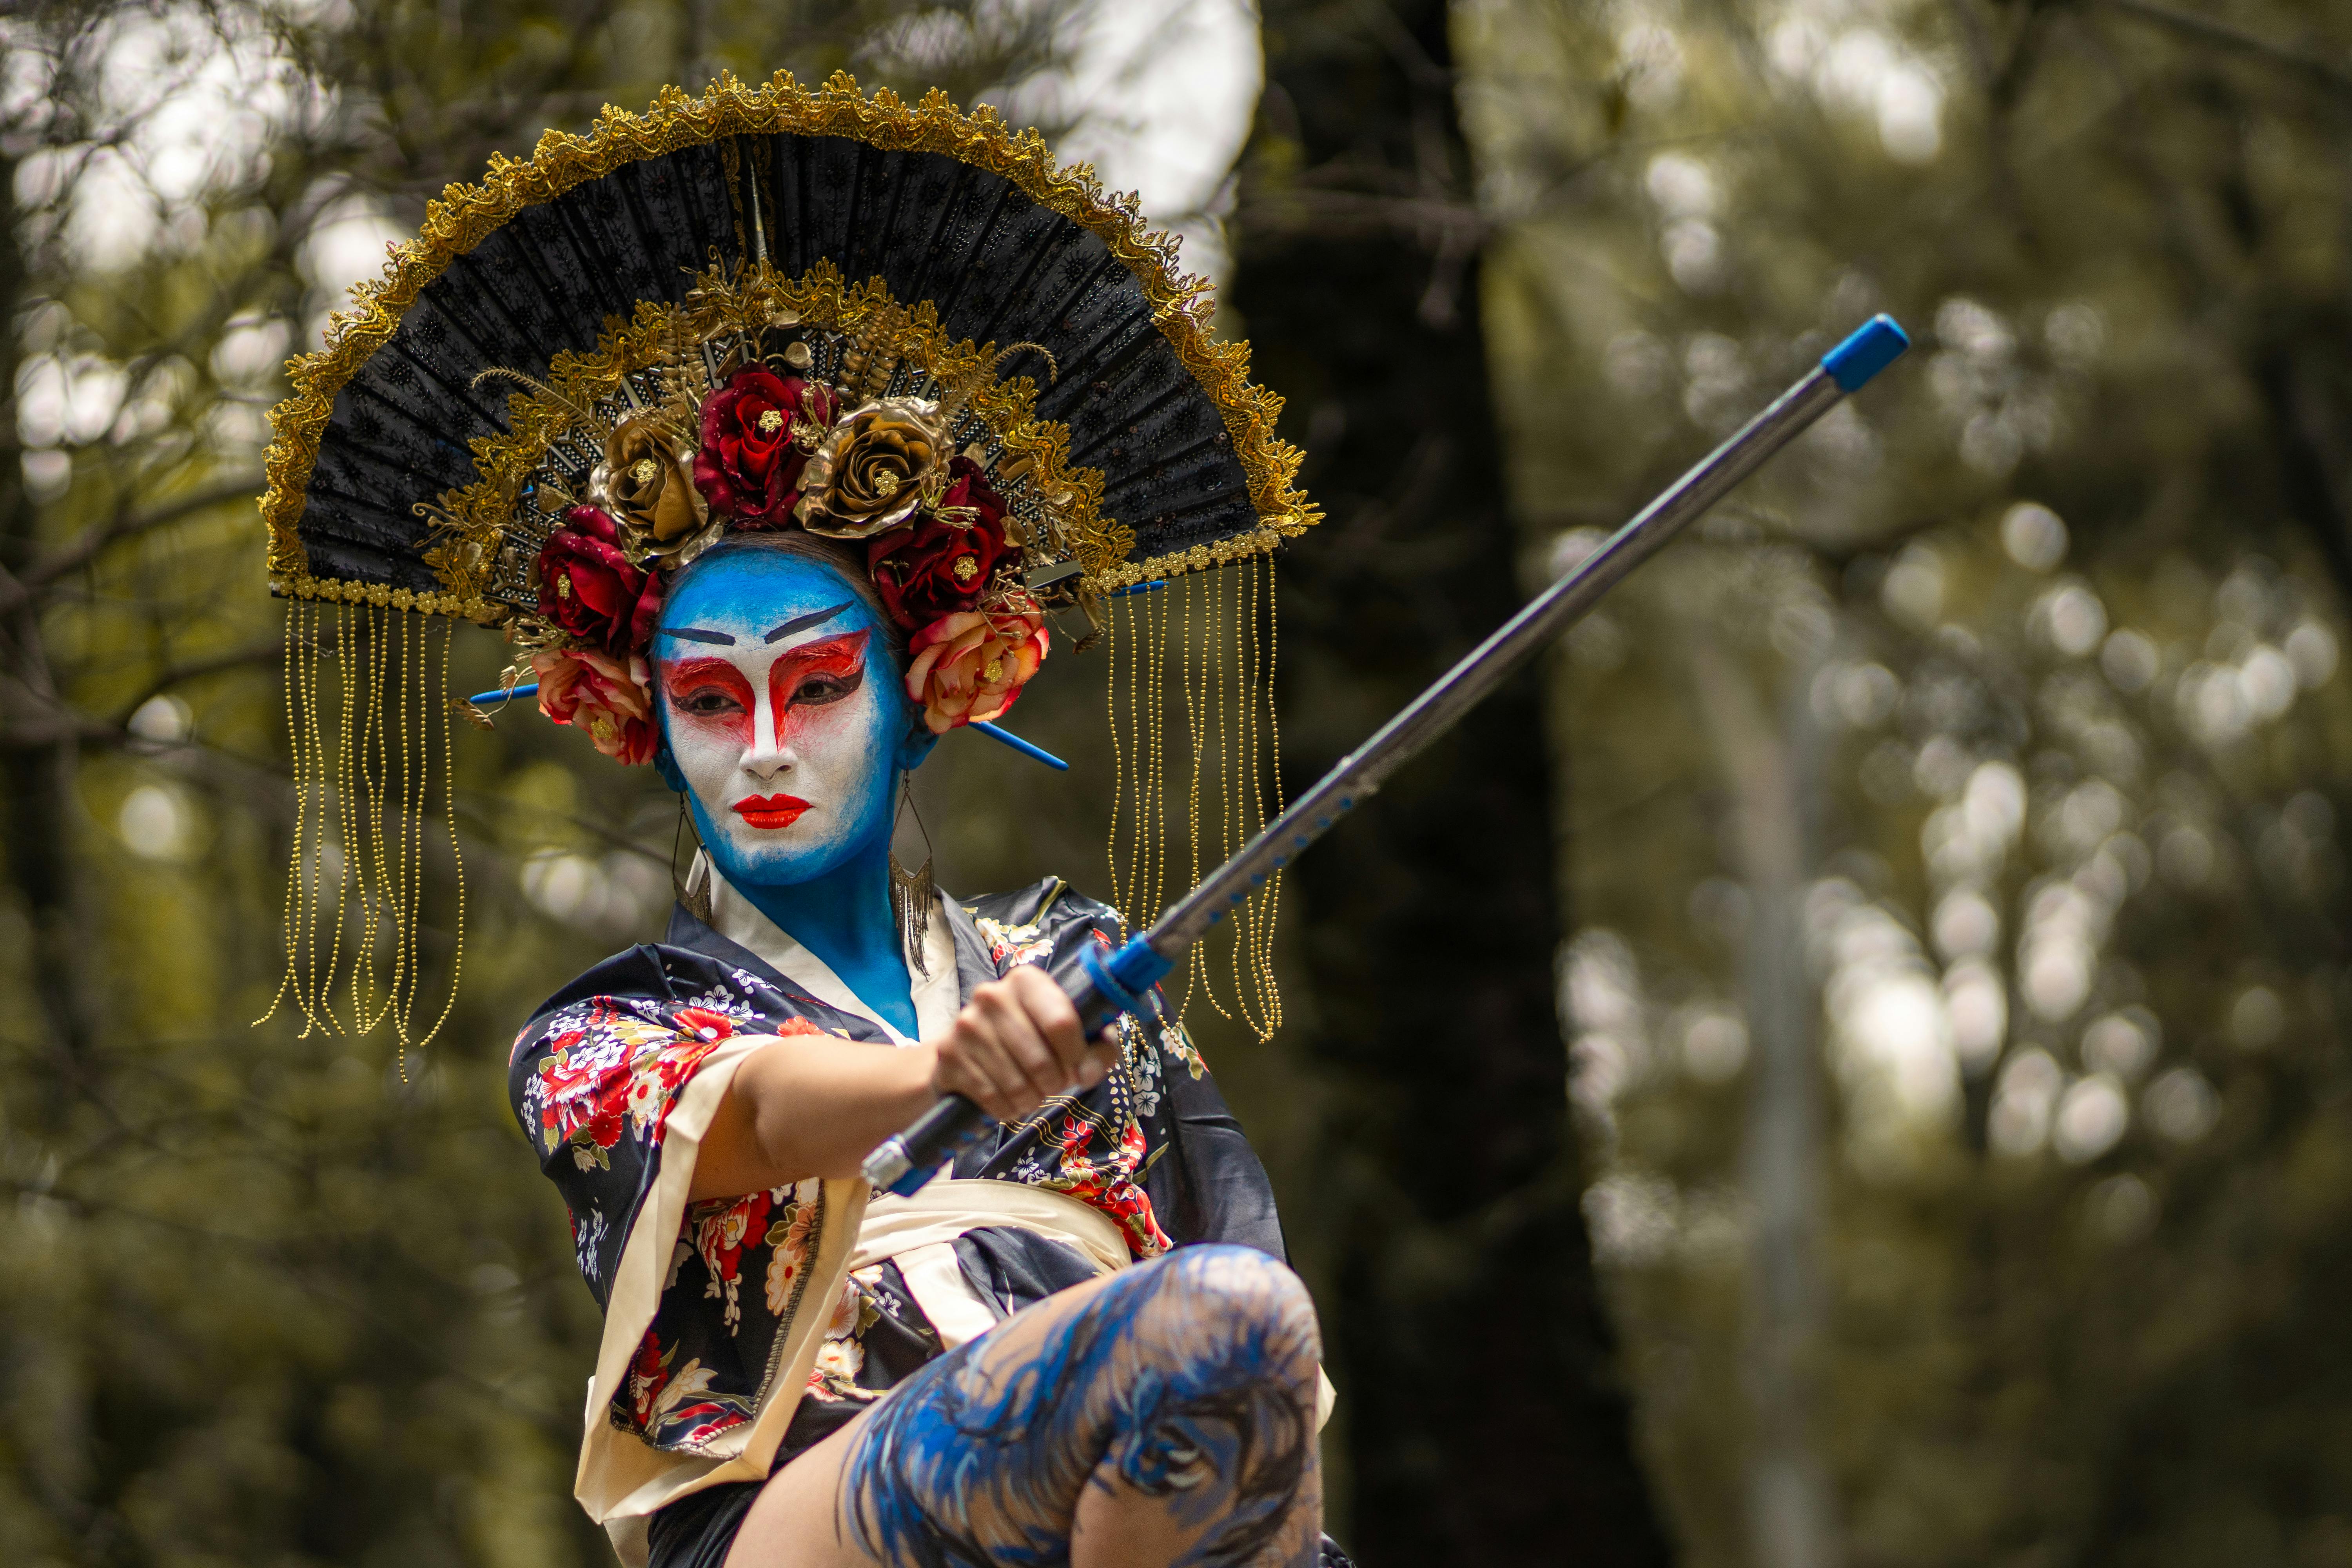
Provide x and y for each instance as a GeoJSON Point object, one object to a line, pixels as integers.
{"type": "Point", "coordinates": [1243, 1301]}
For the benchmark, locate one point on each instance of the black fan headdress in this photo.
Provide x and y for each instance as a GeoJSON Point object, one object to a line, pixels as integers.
{"type": "Point", "coordinates": [575, 268]}
{"type": "Point", "coordinates": [762, 309]}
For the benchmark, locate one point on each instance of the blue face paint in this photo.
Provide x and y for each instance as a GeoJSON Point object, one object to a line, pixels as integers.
{"type": "Point", "coordinates": [784, 721]}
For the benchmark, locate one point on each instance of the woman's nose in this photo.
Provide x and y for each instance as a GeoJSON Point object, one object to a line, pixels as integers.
{"type": "Point", "coordinates": [769, 754]}
{"type": "Point", "coordinates": [766, 759]}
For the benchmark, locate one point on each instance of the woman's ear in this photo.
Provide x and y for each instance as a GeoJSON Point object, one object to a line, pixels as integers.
{"type": "Point", "coordinates": [915, 745]}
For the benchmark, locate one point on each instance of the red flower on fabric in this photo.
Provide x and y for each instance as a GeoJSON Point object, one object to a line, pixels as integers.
{"type": "Point", "coordinates": [942, 560]}
{"type": "Point", "coordinates": [611, 698]}
{"type": "Point", "coordinates": [1109, 1184]}
{"type": "Point", "coordinates": [587, 586]}
{"type": "Point", "coordinates": [703, 1024]}
{"type": "Point", "coordinates": [757, 433]}
{"type": "Point", "coordinates": [586, 1107]}
{"type": "Point", "coordinates": [648, 1375]}
{"type": "Point", "coordinates": [969, 667]}
{"type": "Point", "coordinates": [725, 1227]}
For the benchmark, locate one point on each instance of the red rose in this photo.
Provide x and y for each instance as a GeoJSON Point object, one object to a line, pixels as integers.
{"type": "Point", "coordinates": [757, 433]}
{"type": "Point", "coordinates": [941, 561]}
{"type": "Point", "coordinates": [587, 586]}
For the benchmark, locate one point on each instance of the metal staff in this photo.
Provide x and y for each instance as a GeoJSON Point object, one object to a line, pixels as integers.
{"type": "Point", "coordinates": [1104, 988]}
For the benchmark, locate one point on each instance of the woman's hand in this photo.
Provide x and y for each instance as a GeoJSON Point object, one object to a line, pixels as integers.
{"type": "Point", "coordinates": [807, 1105]}
{"type": "Point", "coordinates": [1016, 1046]}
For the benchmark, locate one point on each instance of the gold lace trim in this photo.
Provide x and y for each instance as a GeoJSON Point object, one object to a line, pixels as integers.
{"type": "Point", "coordinates": [466, 215]}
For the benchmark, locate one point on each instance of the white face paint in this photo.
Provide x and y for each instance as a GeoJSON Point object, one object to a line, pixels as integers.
{"type": "Point", "coordinates": [783, 714]}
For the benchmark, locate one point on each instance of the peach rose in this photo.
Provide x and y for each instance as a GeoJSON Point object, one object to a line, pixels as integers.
{"type": "Point", "coordinates": [970, 665]}
{"type": "Point", "coordinates": [610, 698]}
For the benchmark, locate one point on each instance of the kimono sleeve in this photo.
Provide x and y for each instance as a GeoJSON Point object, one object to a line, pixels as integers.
{"type": "Point", "coordinates": [593, 1081]}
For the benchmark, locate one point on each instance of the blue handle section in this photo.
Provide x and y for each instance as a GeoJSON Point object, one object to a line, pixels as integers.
{"type": "Point", "coordinates": [1124, 977]}
{"type": "Point", "coordinates": [1026, 748]}
{"type": "Point", "coordinates": [528, 688]}
{"type": "Point", "coordinates": [1876, 344]}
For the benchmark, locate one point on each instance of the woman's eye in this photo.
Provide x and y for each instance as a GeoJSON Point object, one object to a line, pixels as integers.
{"type": "Point", "coordinates": [707, 700]}
{"type": "Point", "coordinates": [819, 689]}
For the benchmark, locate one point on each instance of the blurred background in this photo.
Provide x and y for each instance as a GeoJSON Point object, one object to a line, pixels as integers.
{"type": "Point", "coordinates": [1843, 1065]}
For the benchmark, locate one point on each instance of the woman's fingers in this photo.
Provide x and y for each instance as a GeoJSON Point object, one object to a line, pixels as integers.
{"type": "Point", "coordinates": [1018, 1044]}
{"type": "Point", "coordinates": [975, 1065]}
{"type": "Point", "coordinates": [1050, 1013]}
{"type": "Point", "coordinates": [1004, 1006]}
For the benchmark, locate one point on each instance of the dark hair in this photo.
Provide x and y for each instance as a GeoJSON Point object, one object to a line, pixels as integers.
{"type": "Point", "coordinates": [845, 556]}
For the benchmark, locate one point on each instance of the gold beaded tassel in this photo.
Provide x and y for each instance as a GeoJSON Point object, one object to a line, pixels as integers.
{"type": "Point", "coordinates": [308, 777]}
{"type": "Point", "coordinates": [1221, 626]}
{"type": "Point", "coordinates": [372, 678]}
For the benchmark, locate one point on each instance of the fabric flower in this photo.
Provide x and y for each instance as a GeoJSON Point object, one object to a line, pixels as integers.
{"type": "Point", "coordinates": [969, 667]}
{"type": "Point", "coordinates": [757, 433]}
{"type": "Point", "coordinates": [644, 485]}
{"type": "Point", "coordinates": [942, 560]}
{"type": "Point", "coordinates": [788, 1239]}
{"type": "Point", "coordinates": [870, 473]}
{"type": "Point", "coordinates": [610, 698]}
{"type": "Point", "coordinates": [587, 586]}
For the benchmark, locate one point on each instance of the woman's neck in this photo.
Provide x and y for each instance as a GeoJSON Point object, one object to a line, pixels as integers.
{"type": "Point", "coordinates": [844, 918]}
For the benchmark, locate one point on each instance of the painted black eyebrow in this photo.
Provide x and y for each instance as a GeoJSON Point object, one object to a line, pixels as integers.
{"type": "Point", "coordinates": [800, 623]}
{"type": "Point", "coordinates": [695, 634]}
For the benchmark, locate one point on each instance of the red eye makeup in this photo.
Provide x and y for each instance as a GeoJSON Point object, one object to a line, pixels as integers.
{"type": "Point", "coordinates": [814, 676]}
{"type": "Point", "coordinates": [710, 691]}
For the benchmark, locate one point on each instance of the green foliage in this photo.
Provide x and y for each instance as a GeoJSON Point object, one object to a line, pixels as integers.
{"type": "Point", "coordinates": [2003, 714]}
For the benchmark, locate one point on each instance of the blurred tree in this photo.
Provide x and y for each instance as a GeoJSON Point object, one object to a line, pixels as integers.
{"type": "Point", "coordinates": [264, 1295]}
{"type": "Point", "coordinates": [2007, 706]}
{"type": "Point", "coordinates": [1485, 1422]}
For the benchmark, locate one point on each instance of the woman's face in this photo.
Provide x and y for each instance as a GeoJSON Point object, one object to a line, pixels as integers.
{"type": "Point", "coordinates": [782, 713]}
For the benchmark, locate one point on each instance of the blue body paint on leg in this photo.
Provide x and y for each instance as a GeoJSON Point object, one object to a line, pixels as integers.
{"type": "Point", "coordinates": [1190, 1380]}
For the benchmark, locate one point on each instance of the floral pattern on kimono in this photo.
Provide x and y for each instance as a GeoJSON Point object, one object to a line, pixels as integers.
{"type": "Point", "coordinates": [597, 1072]}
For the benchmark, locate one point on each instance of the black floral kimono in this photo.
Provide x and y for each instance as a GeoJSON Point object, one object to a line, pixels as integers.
{"type": "Point", "coordinates": [735, 1336]}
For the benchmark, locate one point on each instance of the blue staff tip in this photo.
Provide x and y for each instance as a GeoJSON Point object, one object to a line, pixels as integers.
{"type": "Point", "coordinates": [1874, 346]}
{"type": "Point", "coordinates": [1025, 747]}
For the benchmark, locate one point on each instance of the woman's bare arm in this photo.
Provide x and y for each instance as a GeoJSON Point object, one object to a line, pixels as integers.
{"type": "Point", "coordinates": [809, 1106]}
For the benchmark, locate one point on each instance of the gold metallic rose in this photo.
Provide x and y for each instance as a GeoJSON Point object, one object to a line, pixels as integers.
{"type": "Point", "coordinates": [642, 483]}
{"type": "Point", "coordinates": [873, 469]}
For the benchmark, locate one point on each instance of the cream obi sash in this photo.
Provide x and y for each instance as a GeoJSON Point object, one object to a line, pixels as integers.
{"type": "Point", "coordinates": [920, 1233]}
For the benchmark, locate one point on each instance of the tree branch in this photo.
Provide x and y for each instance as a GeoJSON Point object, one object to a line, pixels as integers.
{"type": "Point", "coordinates": [128, 524]}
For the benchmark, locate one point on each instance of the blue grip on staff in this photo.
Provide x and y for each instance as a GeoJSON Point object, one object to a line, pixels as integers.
{"type": "Point", "coordinates": [1124, 977]}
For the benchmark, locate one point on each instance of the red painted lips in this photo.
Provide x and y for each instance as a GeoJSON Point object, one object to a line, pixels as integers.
{"type": "Point", "coordinates": [771, 810]}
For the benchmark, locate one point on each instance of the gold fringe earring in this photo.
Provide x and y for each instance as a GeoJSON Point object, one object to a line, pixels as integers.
{"type": "Point", "coordinates": [912, 893]}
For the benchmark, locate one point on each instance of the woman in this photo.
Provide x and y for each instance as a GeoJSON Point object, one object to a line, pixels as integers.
{"type": "Point", "coordinates": [1151, 1414]}
{"type": "Point", "coordinates": [763, 507]}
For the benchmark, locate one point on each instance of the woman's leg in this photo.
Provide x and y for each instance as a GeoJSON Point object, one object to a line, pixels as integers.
{"type": "Point", "coordinates": [1163, 1416]}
